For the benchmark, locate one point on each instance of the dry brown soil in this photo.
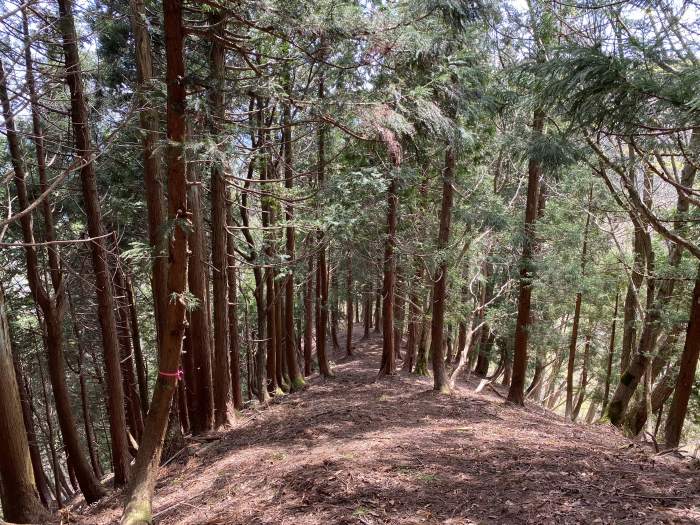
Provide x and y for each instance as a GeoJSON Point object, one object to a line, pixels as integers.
{"type": "Point", "coordinates": [354, 450]}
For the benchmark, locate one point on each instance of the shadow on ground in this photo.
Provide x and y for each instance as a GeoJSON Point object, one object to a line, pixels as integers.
{"type": "Point", "coordinates": [354, 450]}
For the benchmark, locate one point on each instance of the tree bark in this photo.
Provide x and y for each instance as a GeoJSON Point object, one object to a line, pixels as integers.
{"type": "Point", "coordinates": [296, 379]}
{"type": "Point", "coordinates": [388, 363]}
{"type": "Point", "coordinates": [308, 318]}
{"type": "Point", "coordinates": [141, 372]}
{"type": "Point", "coordinates": [611, 353]}
{"type": "Point", "coordinates": [413, 322]}
{"type": "Point", "coordinates": [629, 320]}
{"type": "Point", "coordinates": [87, 418]}
{"type": "Point", "coordinates": [577, 316]}
{"type": "Point", "coordinates": [52, 307]}
{"type": "Point", "coordinates": [100, 255]}
{"type": "Point", "coordinates": [28, 418]}
{"type": "Point", "coordinates": [366, 314]}
{"type": "Point", "coordinates": [686, 373]}
{"type": "Point", "coordinates": [522, 326]}
{"type": "Point", "coordinates": [321, 270]}
{"type": "Point", "coordinates": [234, 338]}
{"type": "Point", "coordinates": [202, 417]}
{"type": "Point", "coordinates": [440, 380]}
{"type": "Point", "coordinates": [221, 369]}
{"type": "Point", "coordinates": [20, 499]}
{"type": "Point", "coordinates": [138, 508]}
{"type": "Point", "coordinates": [399, 314]}
{"type": "Point", "coordinates": [349, 310]}
{"type": "Point", "coordinates": [584, 379]}
{"type": "Point", "coordinates": [334, 306]}
{"type": "Point", "coordinates": [155, 194]}
{"type": "Point", "coordinates": [131, 394]}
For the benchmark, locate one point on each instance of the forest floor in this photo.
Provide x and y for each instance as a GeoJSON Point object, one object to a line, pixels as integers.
{"type": "Point", "coordinates": [354, 450]}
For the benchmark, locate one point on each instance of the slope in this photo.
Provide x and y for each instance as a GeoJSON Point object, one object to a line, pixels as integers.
{"type": "Point", "coordinates": [357, 451]}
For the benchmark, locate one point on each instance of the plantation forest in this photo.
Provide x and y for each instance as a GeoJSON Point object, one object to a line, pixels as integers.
{"type": "Point", "coordinates": [313, 262]}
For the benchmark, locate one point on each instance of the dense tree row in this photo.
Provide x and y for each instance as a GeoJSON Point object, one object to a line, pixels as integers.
{"type": "Point", "coordinates": [200, 199]}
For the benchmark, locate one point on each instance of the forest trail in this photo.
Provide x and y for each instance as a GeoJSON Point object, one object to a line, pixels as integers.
{"type": "Point", "coordinates": [358, 451]}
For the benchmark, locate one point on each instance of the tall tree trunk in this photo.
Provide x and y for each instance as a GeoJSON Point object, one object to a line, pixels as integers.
{"type": "Point", "coordinates": [507, 364]}
{"type": "Point", "coordinates": [651, 329]}
{"type": "Point", "coordinates": [308, 318]}
{"type": "Point", "coordinates": [366, 314]}
{"type": "Point", "coordinates": [421, 368]}
{"type": "Point", "coordinates": [388, 364]}
{"type": "Point", "coordinates": [584, 379]}
{"type": "Point", "coordinates": [629, 320]}
{"type": "Point", "coordinates": [141, 372]}
{"type": "Point", "coordinates": [20, 499]}
{"type": "Point", "coordinates": [378, 309]}
{"type": "Point", "coordinates": [155, 194]}
{"type": "Point", "coordinates": [686, 373]}
{"type": "Point", "coordinates": [637, 418]}
{"type": "Point", "coordinates": [100, 255]}
{"type": "Point", "coordinates": [413, 322]}
{"type": "Point", "coordinates": [221, 369]}
{"type": "Point", "coordinates": [296, 379]}
{"type": "Point", "coordinates": [349, 314]}
{"type": "Point", "coordinates": [28, 418]}
{"type": "Point", "coordinates": [335, 309]}
{"type": "Point", "coordinates": [440, 381]}
{"type": "Point", "coordinates": [138, 508]}
{"type": "Point", "coordinates": [535, 389]}
{"type": "Point", "coordinates": [49, 435]}
{"type": "Point", "coordinates": [87, 418]}
{"type": "Point", "coordinates": [38, 139]}
{"type": "Point", "coordinates": [52, 307]}
{"type": "Point", "coordinates": [271, 323]}
{"type": "Point", "coordinates": [577, 317]}
{"type": "Point", "coordinates": [131, 393]}
{"type": "Point", "coordinates": [262, 336]}
{"type": "Point", "coordinates": [321, 270]}
{"type": "Point", "coordinates": [522, 326]}
{"type": "Point", "coordinates": [202, 417]}
{"type": "Point", "coordinates": [234, 338]}
{"type": "Point", "coordinates": [611, 353]}
{"type": "Point", "coordinates": [399, 314]}
{"type": "Point", "coordinates": [478, 352]}
{"type": "Point", "coordinates": [55, 270]}
{"type": "Point", "coordinates": [282, 378]}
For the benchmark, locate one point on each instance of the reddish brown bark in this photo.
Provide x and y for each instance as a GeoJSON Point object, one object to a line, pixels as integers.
{"type": "Point", "coordinates": [414, 322]}
{"type": "Point", "coordinates": [138, 508]}
{"type": "Point", "coordinates": [522, 326]}
{"type": "Point", "coordinates": [149, 123]}
{"type": "Point", "coordinates": [349, 315]}
{"type": "Point", "coordinates": [440, 380]}
{"type": "Point", "coordinates": [202, 415]}
{"type": "Point", "coordinates": [686, 374]}
{"type": "Point", "coordinates": [296, 379]}
{"type": "Point", "coordinates": [584, 379]}
{"type": "Point", "coordinates": [141, 373]}
{"type": "Point", "coordinates": [577, 316]}
{"type": "Point", "coordinates": [321, 267]}
{"type": "Point", "coordinates": [388, 364]}
{"type": "Point", "coordinates": [611, 352]}
{"type": "Point", "coordinates": [52, 307]}
{"type": "Point", "coordinates": [20, 500]}
{"type": "Point", "coordinates": [234, 338]}
{"type": "Point", "coordinates": [308, 318]}
{"type": "Point", "coordinates": [98, 247]}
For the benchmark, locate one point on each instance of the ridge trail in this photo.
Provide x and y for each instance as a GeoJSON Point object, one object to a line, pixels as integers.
{"type": "Point", "coordinates": [354, 450]}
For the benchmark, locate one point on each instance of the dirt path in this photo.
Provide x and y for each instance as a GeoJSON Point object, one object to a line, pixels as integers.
{"type": "Point", "coordinates": [355, 451]}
